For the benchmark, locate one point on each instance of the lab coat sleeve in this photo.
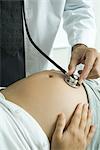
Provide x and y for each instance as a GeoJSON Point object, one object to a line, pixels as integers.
{"type": "Point", "coordinates": [79, 22]}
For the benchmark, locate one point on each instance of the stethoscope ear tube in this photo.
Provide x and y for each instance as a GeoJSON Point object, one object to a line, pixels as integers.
{"type": "Point", "coordinates": [70, 80]}
{"type": "Point", "coordinates": [33, 43]}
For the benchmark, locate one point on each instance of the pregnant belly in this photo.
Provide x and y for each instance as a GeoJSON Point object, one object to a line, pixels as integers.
{"type": "Point", "coordinates": [44, 95]}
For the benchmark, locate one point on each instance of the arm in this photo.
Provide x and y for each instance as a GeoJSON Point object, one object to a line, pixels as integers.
{"type": "Point", "coordinates": [78, 134]}
{"type": "Point", "coordinates": [79, 22]}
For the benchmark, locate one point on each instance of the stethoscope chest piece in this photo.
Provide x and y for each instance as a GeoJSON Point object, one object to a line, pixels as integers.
{"type": "Point", "coordinates": [72, 81]}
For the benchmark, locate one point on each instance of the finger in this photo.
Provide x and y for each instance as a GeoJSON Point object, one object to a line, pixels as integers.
{"type": "Point", "coordinates": [60, 125]}
{"type": "Point", "coordinates": [73, 63]}
{"type": "Point", "coordinates": [91, 134]}
{"type": "Point", "coordinates": [95, 72]}
{"type": "Point", "coordinates": [94, 76]}
{"type": "Point", "coordinates": [83, 121]}
{"type": "Point", "coordinates": [89, 120]}
{"type": "Point", "coordinates": [75, 121]}
{"type": "Point", "coordinates": [89, 62]}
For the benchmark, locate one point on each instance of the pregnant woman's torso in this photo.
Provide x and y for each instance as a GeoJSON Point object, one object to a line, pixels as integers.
{"type": "Point", "coordinates": [44, 95]}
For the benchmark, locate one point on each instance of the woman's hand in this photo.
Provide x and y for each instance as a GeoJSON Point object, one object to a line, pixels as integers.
{"type": "Point", "coordinates": [78, 134]}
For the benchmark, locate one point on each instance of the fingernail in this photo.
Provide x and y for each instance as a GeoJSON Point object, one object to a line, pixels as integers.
{"type": "Point", "coordinates": [60, 114]}
{"type": "Point", "coordinates": [69, 72]}
{"type": "Point", "coordinates": [80, 105]}
{"type": "Point", "coordinates": [71, 69]}
{"type": "Point", "coordinates": [86, 106]}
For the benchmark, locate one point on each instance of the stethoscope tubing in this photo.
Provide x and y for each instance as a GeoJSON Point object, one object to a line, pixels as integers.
{"type": "Point", "coordinates": [33, 43]}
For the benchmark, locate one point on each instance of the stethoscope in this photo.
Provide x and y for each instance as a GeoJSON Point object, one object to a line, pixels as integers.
{"type": "Point", "coordinates": [70, 80]}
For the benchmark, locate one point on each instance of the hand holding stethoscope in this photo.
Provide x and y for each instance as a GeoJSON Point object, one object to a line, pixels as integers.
{"type": "Point", "coordinates": [80, 54]}
{"type": "Point", "coordinates": [69, 79]}
{"type": "Point", "coordinates": [91, 60]}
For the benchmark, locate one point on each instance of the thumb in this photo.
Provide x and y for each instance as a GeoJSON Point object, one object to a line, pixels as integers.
{"type": "Point", "coordinates": [60, 125]}
{"type": "Point", "coordinates": [73, 63]}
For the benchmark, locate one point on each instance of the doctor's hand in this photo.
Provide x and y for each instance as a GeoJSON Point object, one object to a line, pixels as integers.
{"type": "Point", "coordinates": [87, 56]}
{"type": "Point", "coordinates": [78, 134]}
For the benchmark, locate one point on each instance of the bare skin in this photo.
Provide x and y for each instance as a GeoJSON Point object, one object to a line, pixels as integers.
{"type": "Point", "coordinates": [78, 134]}
{"type": "Point", "coordinates": [87, 56]}
{"type": "Point", "coordinates": [43, 96]}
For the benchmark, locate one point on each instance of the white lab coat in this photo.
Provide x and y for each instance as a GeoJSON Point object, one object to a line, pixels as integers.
{"type": "Point", "coordinates": [43, 19]}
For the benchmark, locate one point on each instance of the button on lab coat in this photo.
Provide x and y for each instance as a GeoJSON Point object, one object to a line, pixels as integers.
{"type": "Point", "coordinates": [43, 19]}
